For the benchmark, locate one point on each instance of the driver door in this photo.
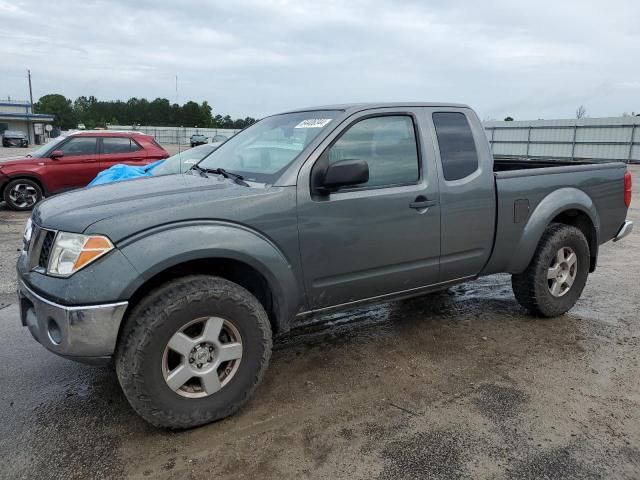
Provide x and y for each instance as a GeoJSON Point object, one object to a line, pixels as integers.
{"type": "Point", "coordinates": [377, 238]}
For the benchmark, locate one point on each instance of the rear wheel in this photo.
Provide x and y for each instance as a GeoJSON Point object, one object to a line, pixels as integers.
{"type": "Point", "coordinates": [22, 194]}
{"type": "Point", "coordinates": [557, 274]}
{"type": "Point", "coordinates": [193, 351]}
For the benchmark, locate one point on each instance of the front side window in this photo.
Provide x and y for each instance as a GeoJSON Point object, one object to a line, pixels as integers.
{"type": "Point", "coordinates": [47, 148]}
{"type": "Point", "coordinates": [79, 146]}
{"type": "Point", "coordinates": [387, 144]}
{"type": "Point", "coordinates": [262, 151]}
{"type": "Point", "coordinates": [118, 145]}
{"type": "Point", "coordinates": [457, 148]}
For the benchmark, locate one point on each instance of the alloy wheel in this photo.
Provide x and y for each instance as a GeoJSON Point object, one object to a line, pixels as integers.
{"type": "Point", "coordinates": [562, 272]}
{"type": "Point", "coordinates": [202, 357]}
{"type": "Point", "coordinates": [23, 195]}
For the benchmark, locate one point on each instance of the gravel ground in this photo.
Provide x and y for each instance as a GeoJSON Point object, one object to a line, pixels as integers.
{"type": "Point", "coordinates": [461, 384]}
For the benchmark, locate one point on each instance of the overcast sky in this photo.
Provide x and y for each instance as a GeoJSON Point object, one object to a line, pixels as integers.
{"type": "Point", "coordinates": [536, 59]}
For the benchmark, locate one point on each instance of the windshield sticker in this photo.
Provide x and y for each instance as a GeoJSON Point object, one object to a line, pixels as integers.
{"type": "Point", "coordinates": [313, 123]}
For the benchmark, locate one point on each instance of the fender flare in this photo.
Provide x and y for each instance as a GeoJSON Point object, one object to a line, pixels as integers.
{"type": "Point", "coordinates": [550, 207]}
{"type": "Point", "coordinates": [156, 250]}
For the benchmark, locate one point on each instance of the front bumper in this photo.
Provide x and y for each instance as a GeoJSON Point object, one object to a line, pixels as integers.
{"type": "Point", "coordinates": [15, 142]}
{"type": "Point", "coordinates": [625, 229]}
{"type": "Point", "coordinates": [83, 333]}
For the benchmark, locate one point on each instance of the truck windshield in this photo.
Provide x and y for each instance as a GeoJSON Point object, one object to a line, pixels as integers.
{"type": "Point", "coordinates": [262, 152]}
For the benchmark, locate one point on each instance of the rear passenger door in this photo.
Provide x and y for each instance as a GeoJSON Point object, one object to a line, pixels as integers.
{"type": "Point", "coordinates": [467, 195]}
{"type": "Point", "coordinates": [77, 167]}
{"type": "Point", "coordinates": [114, 150]}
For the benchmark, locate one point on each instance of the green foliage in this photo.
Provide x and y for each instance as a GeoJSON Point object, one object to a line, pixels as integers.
{"type": "Point", "coordinates": [58, 106]}
{"type": "Point", "coordinates": [93, 112]}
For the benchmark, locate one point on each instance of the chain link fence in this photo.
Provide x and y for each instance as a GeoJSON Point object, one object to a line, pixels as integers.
{"type": "Point", "coordinates": [176, 135]}
{"type": "Point", "coordinates": [596, 139]}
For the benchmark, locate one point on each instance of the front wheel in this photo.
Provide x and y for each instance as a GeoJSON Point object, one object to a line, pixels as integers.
{"type": "Point", "coordinates": [193, 351]}
{"type": "Point", "coordinates": [22, 194]}
{"type": "Point", "coordinates": [557, 273]}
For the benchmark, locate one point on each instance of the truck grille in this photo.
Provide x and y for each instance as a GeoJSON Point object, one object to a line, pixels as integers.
{"type": "Point", "coordinates": [40, 247]}
{"type": "Point", "coordinates": [45, 251]}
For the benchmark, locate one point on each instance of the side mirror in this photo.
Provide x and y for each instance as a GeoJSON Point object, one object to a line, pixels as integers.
{"type": "Point", "coordinates": [343, 174]}
{"type": "Point", "coordinates": [56, 154]}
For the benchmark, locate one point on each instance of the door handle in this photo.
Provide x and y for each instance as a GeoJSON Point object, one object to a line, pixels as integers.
{"type": "Point", "coordinates": [89, 161]}
{"type": "Point", "coordinates": [422, 202]}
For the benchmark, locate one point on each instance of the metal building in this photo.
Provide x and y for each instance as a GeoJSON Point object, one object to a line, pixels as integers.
{"type": "Point", "coordinates": [18, 115]}
{"type": "Point", "coordinates": [599, 139]}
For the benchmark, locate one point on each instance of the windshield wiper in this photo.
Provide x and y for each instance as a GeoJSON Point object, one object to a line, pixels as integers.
{"type": "Point", "coordinates": [202, 171]}
{"type": "Point", "coordinates": [239, 179]}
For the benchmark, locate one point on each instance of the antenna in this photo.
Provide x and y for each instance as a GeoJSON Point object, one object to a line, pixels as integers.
{"type": "Point", "coordinates": [178, 134]}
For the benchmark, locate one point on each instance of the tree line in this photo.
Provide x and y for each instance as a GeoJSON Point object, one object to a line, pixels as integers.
{"type": "Point", "coordinates": [136, 111]}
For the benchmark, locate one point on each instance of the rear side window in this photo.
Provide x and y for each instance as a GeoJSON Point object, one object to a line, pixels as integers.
{"type": "Point", "coordinates": [118, 145]}
{"type": "Point", "coordinates": [387, 144]}
{"type": "Point", "coordinates": [79, 146]}
{"type": "Point", "coordinates": [156, 144]}
{"type": "Point", "coordinates": [457, 148]}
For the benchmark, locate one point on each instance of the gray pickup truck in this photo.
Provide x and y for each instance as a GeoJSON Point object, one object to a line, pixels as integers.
{"type": "Point", "coordinates": [184, 279]}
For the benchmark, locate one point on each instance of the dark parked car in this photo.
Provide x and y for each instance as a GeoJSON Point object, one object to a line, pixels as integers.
{"type": "Point", "coordinates": [197, 139]}
{"type": "Point", "coordinates": [184, 279]}
{"type": "Point", "coordinates": [220, 138]}
{"type": "Point", "coordinates": [72, 162]}
{"type": "Point", "coordinates": [14, 138]}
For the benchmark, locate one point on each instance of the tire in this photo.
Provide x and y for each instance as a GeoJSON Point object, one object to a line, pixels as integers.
{"type": "Point", "coordinates": [551, 297]}
{"type": "Point", "coordinates": [143, 354]}
{"type": "Point", "coordinates": [22, 194]}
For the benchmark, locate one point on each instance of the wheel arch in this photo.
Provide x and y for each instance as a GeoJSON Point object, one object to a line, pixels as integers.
{"type": "Point", "coordinates": [29, 176]}
{"type": "Point", "coordinates": [233, 270]}
{"type": "Point", "coordinates": [569, 206]}
{"type": "Point", "coordinates": [228, 251]}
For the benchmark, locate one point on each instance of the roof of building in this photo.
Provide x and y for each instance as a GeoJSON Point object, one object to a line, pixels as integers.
{"type": "Point", "coordinates": [22, 110]}
{"type": "Point", "coordinates": [27, 116]}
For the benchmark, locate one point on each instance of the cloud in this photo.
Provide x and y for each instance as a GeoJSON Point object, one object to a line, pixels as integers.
{"type": "Point", "coordinates": [247, 57]}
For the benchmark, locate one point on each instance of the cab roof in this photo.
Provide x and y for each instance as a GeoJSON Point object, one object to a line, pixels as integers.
{"type": "Point", "coordinates": [106, 133]}
{"type": "Point", "coordinates": [357, 107]}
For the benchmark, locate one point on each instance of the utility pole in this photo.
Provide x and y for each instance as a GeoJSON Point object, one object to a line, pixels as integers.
{"type": "Point", "coordinates": [31, 128]}
{"type": "Point", "coordinates": [30, 90]}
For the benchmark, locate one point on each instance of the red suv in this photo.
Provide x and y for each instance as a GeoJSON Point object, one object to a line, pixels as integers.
{"type": "Point", "coordinates": [71, 162]}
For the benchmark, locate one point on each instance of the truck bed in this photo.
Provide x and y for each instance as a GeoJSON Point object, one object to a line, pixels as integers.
{"type": "Point", "coordinates": [525, 188]}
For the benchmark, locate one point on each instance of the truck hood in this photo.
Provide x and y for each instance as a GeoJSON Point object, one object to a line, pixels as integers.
{"type": "Point", "coordinates": [124, 208]}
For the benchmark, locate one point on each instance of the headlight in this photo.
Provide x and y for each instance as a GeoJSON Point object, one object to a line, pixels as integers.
{"type": "Point", "coordinates": [73, 251]}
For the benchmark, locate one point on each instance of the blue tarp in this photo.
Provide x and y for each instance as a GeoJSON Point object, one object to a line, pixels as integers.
{"type": "Point", "coordinates": [121, 172]}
